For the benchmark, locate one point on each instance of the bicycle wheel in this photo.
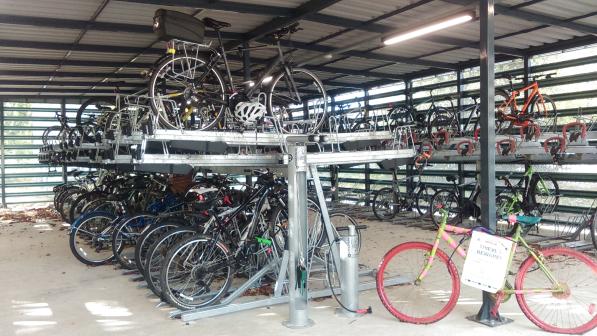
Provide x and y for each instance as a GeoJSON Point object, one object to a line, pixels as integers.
{"type": "Point", "coordinates": [286, 104]}
{"type": "Point", "coordinates": [196, 272]}
{"type": "Point", "coordinates": [502, 110]}
{"type": "Point", "coordinates": [93, 108]}
{"type": "Point", "coordinates": [423, 201]}
{"type": "Point", "coordinates": [279, 227]}
{"type": "Point", "coordinates": [546, 111]}
{"type": "Point", "coordinates": [157, 252]}
{"type": "Point", "coordinates": [544, 193]}
{"type": "Point", "coordinates": [89, 238]}
{"type": "Point", "coordinates": [184, 93]}
{"type": "Point", "coordinates": [125, 236]}
{"type": "Point", "coordinates": [149, 236]}
{"type": "Point", "coordinates": [417, 301]}
{"type": "Point", "coordinates": [448, 200]}
{"type": "Point", "coordinates": [570, 311]}
{"type": "Point", "coordinates": [385, 204]}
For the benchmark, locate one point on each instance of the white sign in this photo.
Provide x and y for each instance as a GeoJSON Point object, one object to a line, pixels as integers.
{"type": "Point", "coordinates": [486, 263]}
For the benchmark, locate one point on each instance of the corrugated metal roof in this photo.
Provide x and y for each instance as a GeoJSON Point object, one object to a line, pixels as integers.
{"type": "Point", "coordinates": [73, 9]}
{"type": "Point", "coordinates": [28, 33]}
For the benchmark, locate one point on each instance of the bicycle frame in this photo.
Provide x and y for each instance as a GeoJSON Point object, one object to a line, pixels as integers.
{"type": "Point", "coordinates": [534, 92]}
{"type": "Point", "coordinates": [443, 234]}
{"type": "Point", "coordinates": [279, 60]}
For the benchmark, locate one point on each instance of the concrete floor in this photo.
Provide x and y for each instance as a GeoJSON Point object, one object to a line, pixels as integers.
{"type": "Point", "coordinates": [46, 291]}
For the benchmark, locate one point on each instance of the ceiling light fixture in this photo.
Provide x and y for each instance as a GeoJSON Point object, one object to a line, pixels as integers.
{"type": "Point", "coordinates": [443, 24]}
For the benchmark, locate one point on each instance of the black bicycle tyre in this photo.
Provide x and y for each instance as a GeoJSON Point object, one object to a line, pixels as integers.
{"type": "Point", "coordinates": [153, 89]}
{"type": "Point", "coordinates": [321, 117]}
{"type": "Point", "coordinates": [376, 205]}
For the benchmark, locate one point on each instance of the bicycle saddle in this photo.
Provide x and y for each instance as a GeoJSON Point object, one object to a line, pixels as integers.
{"type": "Point", "coordinates": [451, 178]}
{"type": "Point", "coordinates": [293, 28]}
{"type": "Point", "coordinates": [528, 220]}
{"type": "Point", "coordinates": [215, 24]}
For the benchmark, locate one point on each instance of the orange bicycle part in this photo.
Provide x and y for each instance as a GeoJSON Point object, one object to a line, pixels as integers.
{"type": "Point", "coordinates": [533, 94]}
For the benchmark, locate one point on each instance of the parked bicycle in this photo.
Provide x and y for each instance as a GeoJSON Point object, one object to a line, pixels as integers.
{"type": "Point", "coordinates": [187, 88]}
{"type": "Point", "coordinates": [389, 201]}
{"type": "Point", "coordinates": [555, 287]}
{"type": "Point", "coordinates": [509, 113]}
{"type": "Point", "coordinates": [455, 202]}
{"type": "Point", "coordinates": [534, 194]}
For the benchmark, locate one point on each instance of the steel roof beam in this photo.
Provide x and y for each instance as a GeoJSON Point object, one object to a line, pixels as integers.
{"type": "Point", "coordinates": [79, 47]}
{"type": "Point", "coordinates": [156, 51]}
{"type": "Point", "coordinates": [59, 90]}
{"type": "Point", "coordinates": [550, 20]}
{"type": "Point", "coordinates": [96, 25]}
{"type": "Point", "coordinates": [229, 6]}
{"type": "Point", "coordinates": [310, 7]}
{"type": "Point", "coordinates": [68, 83]}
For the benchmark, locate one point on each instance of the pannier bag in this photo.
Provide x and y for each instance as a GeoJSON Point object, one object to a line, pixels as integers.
{"type": "Point", "coordinates": [170, 25]}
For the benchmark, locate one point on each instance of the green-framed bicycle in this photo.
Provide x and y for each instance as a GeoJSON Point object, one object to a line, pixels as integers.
{"type": "Point", "coordinates": [534, 194]}
{"type": "Point", "coordinates": [555, 287]}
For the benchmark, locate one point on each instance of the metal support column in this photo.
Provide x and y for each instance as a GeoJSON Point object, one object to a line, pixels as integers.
{"type": "Point", "coordinates": [487, 171]}
{"type": "Point", "coordinates": [2, 156]}
{"type": "Point", "coordinates": [459, 97]}
{"type": "Point", "coordinates": [246, 78]}
{"type": "Point", "coordinates": [408, 94]}
{"type": "Point", "coordinates": [297, 233]}
{"type": "Point", "coordinates": [367, 165]}
{"type": "Point", "coordinates": [64, 167]}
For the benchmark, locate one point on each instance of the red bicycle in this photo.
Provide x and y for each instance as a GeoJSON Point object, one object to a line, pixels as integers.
{"type": "Point", "coordinates": [509, 113]}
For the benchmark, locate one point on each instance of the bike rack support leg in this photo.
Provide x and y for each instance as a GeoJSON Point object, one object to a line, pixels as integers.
{"type": "Point", "coordinates": [488, 314]}
{"type": "Point", "coordinates": [297, 234]}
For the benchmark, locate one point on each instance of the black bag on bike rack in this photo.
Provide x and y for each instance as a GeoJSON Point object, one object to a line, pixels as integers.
{"type": "Point", "coordinates": [170, 25]}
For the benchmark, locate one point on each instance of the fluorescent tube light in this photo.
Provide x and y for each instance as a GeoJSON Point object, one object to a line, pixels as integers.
{"type": "Point", "coordinates": [453, 21]}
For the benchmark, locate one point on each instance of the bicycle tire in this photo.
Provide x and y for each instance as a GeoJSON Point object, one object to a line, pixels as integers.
{"type": "Point", "coordinates": [170, 64]}
{"type": "Point", "coordinates": [281, 113]}
{"type": "Point", "coordinates": [423, 201]}
{"type": "Point", "coordinates": [126, 228]}
{"type": "Point", "coordinates": [539, 190]}
{"type": "Point", "coordinates": [150, 235]}
{"type": "Point", "coordinates": [380, 202]}
{"type": "Point", "coordinates": [83, 221]}
{"type": "Point", "coordinates": [552, 305]}
{"type": "Point", "coordinates": [92, 101]}
{"type": "Point", "coordinates": [183, 300]}
{"type": "Point", "coordinates": [550, 111]}
{"type": "Point", "coordinates": [157, 252]}
{"type": "Point", "coordinates": [449, 201]}
{"type": "Point", "coordinates": [426, 300]}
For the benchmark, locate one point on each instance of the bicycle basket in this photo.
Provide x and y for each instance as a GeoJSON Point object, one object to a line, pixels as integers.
{"type": "Point", "coordinates": [170, 25]}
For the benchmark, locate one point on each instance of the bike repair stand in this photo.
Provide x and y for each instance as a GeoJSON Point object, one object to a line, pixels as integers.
{"type": "Point", "coordinates": [489, 314]}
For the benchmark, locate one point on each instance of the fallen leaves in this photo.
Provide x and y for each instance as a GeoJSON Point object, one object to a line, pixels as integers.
{"type": "Point", "coordinates": [30, 216]}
